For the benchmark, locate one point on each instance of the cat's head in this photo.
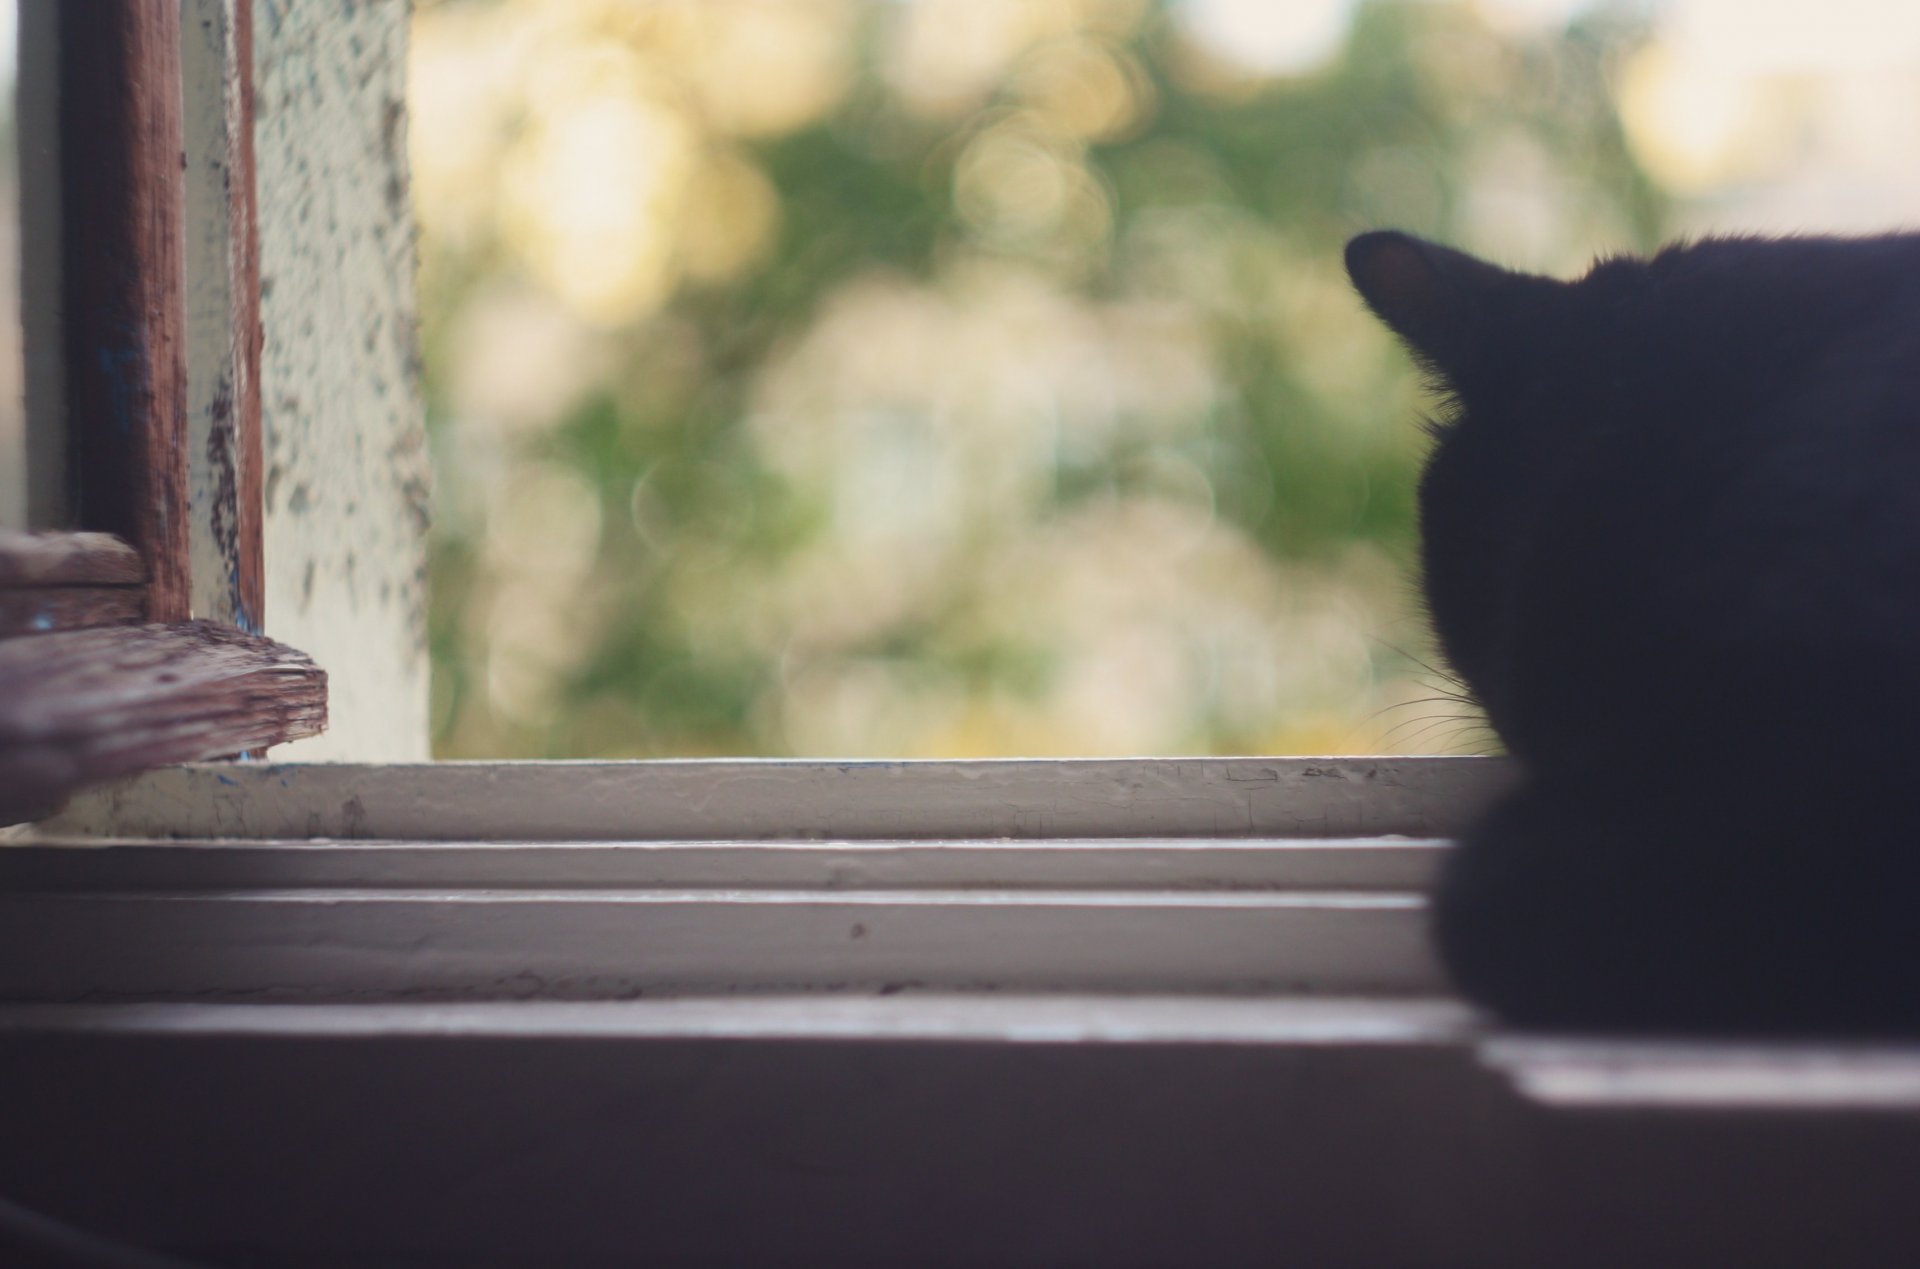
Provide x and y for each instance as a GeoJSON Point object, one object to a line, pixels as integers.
{"type": "Point", "coordinates": [1595, 507]}
{"type": "Point", "coordinates": [1503, 351]}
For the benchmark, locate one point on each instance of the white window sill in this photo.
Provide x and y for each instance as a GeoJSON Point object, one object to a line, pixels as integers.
{"type": "Point", "coordinates": [622, 880]}
{"type": "Point", "coordinates": [1103, 1013]}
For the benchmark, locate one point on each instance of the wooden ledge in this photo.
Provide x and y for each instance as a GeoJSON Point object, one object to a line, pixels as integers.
{"type": "Point", "coordinates": [87, 705]}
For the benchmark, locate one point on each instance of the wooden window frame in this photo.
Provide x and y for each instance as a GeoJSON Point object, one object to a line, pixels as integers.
{"type": "Point", "coordinates": [136, 641]}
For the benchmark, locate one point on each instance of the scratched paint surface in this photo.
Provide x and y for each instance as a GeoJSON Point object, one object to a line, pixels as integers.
{"type": "Point", "coordinates": [210, 117]}
{"type": "Point", "coordinates": [343, 427]}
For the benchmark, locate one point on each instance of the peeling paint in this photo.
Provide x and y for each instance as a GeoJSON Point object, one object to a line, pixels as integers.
{"type": "Point", "coordinates": [763, 799]}
{"type": "Point", "coordinates": [344, 431]}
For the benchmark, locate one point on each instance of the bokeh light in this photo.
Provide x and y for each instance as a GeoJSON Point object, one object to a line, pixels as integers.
{"type": "Point", "coordinates": [976, 377]}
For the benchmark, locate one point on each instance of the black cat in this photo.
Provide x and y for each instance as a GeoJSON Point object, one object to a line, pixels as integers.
{"type": "Point", "coordinates": [1671, 541]}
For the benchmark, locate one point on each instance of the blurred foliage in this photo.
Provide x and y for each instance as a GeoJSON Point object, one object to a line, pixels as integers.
{"type": "Point", "coordinates": [954, 376]}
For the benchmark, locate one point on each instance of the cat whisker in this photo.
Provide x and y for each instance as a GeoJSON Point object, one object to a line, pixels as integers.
{"type": "Point", "coordinates": [1418, 700]}
{"type": "Point", "coordinates": [1478, 736]}
{"type": "Point", "coordinates": [1431, 721]}
{"type": "Point", "coordinates": [1429, 667]}
{"type": "Point", "coordinates": [1427, 730]}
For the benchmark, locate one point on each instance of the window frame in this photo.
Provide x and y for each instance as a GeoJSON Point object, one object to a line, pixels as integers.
{"type": "Point", "coordinates": [143, 408]}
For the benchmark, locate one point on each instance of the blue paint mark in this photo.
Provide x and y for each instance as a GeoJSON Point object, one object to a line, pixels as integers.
{"type": "Point", "coordinates": [116, 365]}
{"type": "Point", "coordinates": [42, 622]}
{"type": "Point", "coordinates": [226, 781]}
{"type": "Point", "coordinates": [241, 617]}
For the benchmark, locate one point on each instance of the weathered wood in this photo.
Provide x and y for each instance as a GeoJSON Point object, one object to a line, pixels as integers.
{"type": "Point", "coordinates": [67, 581]}
{"type": "Point", "coordinates": [88, 705]}
{"type": "Point", "coordinates": [223, 313]}
{"type": "Point", "coordinates": [67, 559]}
{"type": "Point", "coordinates": [28, 610]}
{"type": "Point", "coordinates": [122, 254]}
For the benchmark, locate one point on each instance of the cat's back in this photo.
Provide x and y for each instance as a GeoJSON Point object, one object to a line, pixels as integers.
{"type": "Point", "coordinates": [1722, 538]}
{"type": "Point", "coordinates": [1788, 429]}
{"type": "Point", "coordinates": [1754, 342]}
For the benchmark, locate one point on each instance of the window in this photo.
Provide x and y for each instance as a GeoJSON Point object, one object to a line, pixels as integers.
{"type": "Point", "coordinates": [1017, 1011]}
{"type": "Point", "coordinates": [327, 277]}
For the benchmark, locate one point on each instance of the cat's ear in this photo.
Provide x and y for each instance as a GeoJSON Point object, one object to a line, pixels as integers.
{"type": "Point", "coordinates": [1433, 297]}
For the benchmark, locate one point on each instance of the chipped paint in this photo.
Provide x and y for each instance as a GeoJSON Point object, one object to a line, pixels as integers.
{"type": "Point", "coordinates": [751, 799]}
{"type": "Point", "coordinates": [342, 414]}
{"type": "Point", "coordinates": [222, 317]}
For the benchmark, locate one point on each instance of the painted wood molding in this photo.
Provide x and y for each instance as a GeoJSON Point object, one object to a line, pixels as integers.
{"type": "Point", "coordinates": [760, 799]}
{"type": "Point", "coordinates": [1176, 865]}
{"type": "Point", "coordinates": [319, 921]}
{"type": "Point", "coordinates": [88, 705]}
{"type": "Point", "coordinates": [598, 881]}
{"type": "Point", "coordinates": [375, 943]}
{"type": "Point", "coordinates": [223, 333]}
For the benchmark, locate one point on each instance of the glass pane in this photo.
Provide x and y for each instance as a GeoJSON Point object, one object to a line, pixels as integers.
{"type": "Point", "coordinates": [979, 377]}
{"type": "Point", "coordinates": [956, 377]}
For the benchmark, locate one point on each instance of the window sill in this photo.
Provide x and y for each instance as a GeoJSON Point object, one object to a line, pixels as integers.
{"type": "Point", "coordinates": [944, 1130]}
{"type": "Point", "coordinates": [623, 880]}
{"type": "Point", "coordinates": [744, 1013]}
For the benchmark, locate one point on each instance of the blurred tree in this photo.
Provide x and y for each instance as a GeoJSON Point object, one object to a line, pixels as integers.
{"type": "Point", "coordinates": [955, 376]}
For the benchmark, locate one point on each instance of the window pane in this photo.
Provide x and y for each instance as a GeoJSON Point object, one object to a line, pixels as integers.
{"type": "Point", "coordinates": [975, 377]}
{"type": "Point", "coordinates": [957, 377]}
